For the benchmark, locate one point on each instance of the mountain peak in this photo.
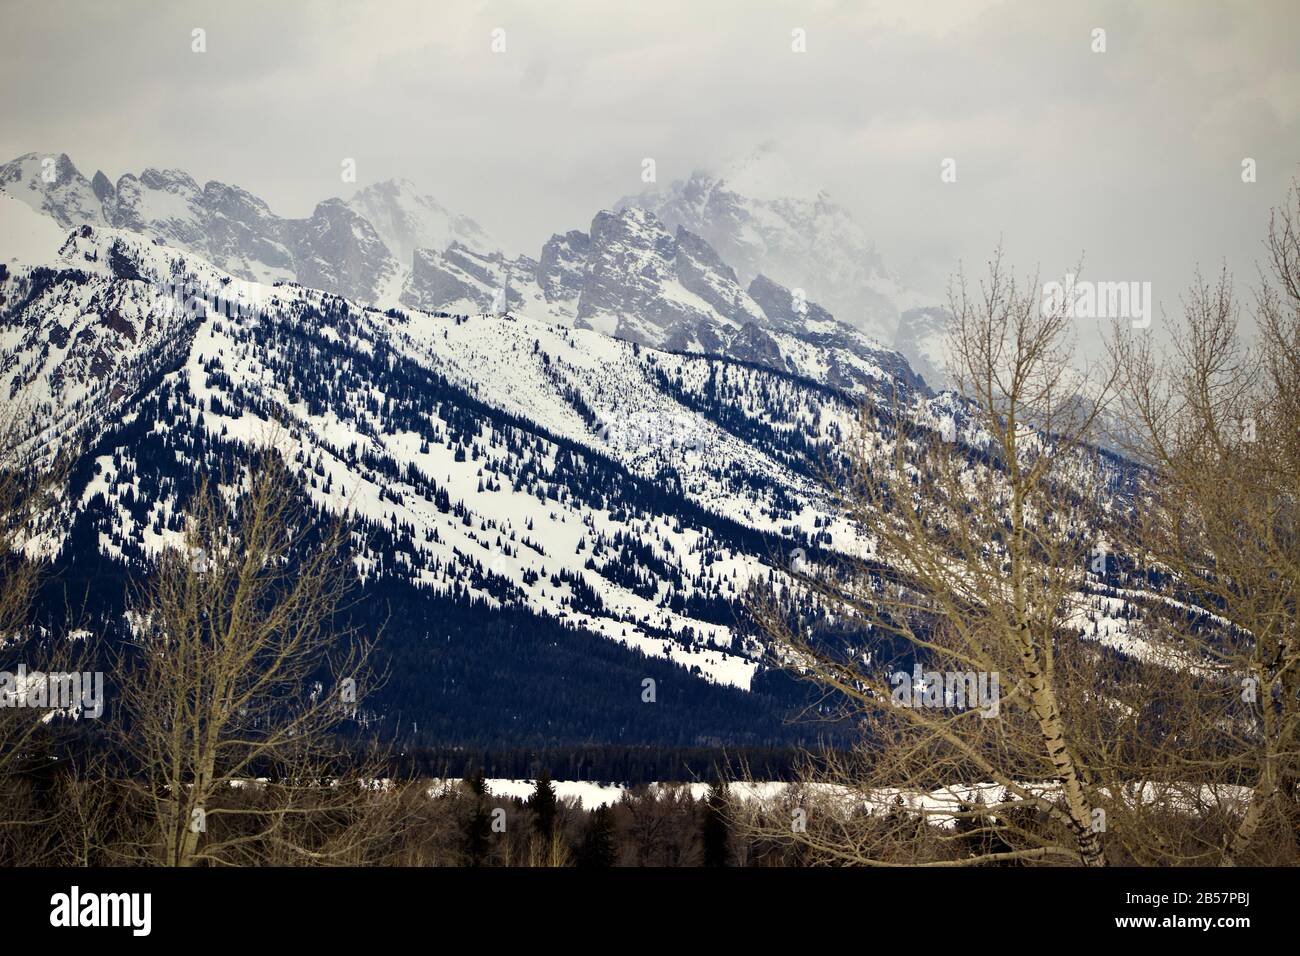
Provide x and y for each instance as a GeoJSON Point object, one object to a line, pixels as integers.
{"type": "Point", "coordinates": [393, 185]}
{"type": "Point", "coordinates": [764, 216]}
{"type": "Point", "coordinates": [52, 184]}
{"type": "Point", "coordinates": [407, 219]}
{"type": "Point", "coordinates": [169, 179]}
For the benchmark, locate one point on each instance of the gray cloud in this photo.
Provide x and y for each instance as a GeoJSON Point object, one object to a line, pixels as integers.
{"type": "Point", "coordinates": [1130, 157]}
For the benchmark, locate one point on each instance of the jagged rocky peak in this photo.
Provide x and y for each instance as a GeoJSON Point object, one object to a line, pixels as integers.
{"type": "Point", "coordinates": [634, 229]}
{"type": "Point", "coordinates": [235, 202]}
{"type": "Point", "coordinates": [703, 272]}
{"type": "Point", "coordinates": [561, 265]}
{"type": "Point", "coordinates": [237, 231]}
{"type": "Point", "coordinates": [785, 309]}
{"type": "Point", "coordinates": [631, 287]}
{"type": "Point", "coordinates": [752, 344]}
{"type": "Point", "coordinates": [50, 183]}
{"type": "Point", "coordinates": [170, 180]}
{"type": "Point", "coordinates": [340, 252]}
{"type": "Point", "coordinates": [103, 187]}
{"type": "Point", "coordinates": [431, 284]}
{"type": "Point", "coordinates": [164, 203]}
{"type": "Point", "coordinates": [463, 280]}
{"type": "Point", "coordinates": [631, 275]}
{"type": "Point", "coordinates": [407, 220]}
{"type": "Point", "coordinates": [763, 217]}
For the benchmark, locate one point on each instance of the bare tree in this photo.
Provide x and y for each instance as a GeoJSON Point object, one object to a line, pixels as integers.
{"type": "Point", "coordinates": [30, 477]}
{"type": "Point", "coordinates": [978, 531]}
{"type": "Point", "coordinates": [1213, 419]}
{"type": "Point", "coordinates": [238, 683]}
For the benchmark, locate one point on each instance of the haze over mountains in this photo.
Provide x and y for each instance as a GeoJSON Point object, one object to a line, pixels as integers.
{"type": "Point", "coordinates": [547, 514]}
{"type": "Point", "coordinates": [567, 473]}
{"type": "Point", "coordinates": [763, 219]}
{"type": "Point", "coordinates": [573, 513]}
{"type": "Point", "coordinates": [679, 278]}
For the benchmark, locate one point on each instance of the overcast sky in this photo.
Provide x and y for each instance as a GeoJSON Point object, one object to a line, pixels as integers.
{"type": "Point", "coordinates": [1131, 157]}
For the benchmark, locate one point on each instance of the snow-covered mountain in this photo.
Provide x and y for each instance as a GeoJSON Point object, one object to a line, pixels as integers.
{"type": "Point", "coordinates": [407, 220]}
{"type": "Point", "coordinates": [496, 461]}
{"type": "Point", "coordinates": [763, 220]}
{"type": "Point", "coordinates": [547, 514]}
{"type": "Point", "coordinates": [361, 248]}
{"type": "Point", "coordinates": [630, 276]}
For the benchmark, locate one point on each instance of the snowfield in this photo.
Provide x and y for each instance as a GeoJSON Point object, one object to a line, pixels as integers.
{"type": "Point", "coordinates": [623, 490]}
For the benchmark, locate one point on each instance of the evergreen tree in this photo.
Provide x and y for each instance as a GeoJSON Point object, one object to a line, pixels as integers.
{"type": "Point", "coordinates": [544, 806]}
{"type": "Point", "coordinates": [477, 782]}
{"type": "Point", "coordinates": [597, 848]}
{"type": "Point", "coordinates": [716, 835]}
{"type": "Point", "coordinates": [478, 826]}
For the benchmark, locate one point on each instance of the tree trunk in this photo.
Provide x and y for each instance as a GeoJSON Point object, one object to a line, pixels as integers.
{"type": "Point", "coordinates": [1043, 705]}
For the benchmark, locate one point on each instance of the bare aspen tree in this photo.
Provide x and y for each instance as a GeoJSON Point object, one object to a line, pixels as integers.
{"type": "Point", "coordinates": [238, 683]}
{"type": "Point", "coordinates": [19, 493]}
{"type": "Point", "coordinates": [1214, 419]}
{"type": "Point", "coordinates": [19, 574]}
{"type": "Point", "coordinates": [29, 479]}
{"type": "Point", "coordinates": [978, 537]}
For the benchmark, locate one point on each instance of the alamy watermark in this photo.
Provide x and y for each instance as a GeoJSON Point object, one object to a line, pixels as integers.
{"type": "Point", "coordinates": [75, 908]}
{"type": "Point", "coordinates": [76, 692]}
{"type": "Point", "coordinates": [947, 690]}
{"type": "Point", "coordinates": [1099, 300]}
{"type": "Point", "coordinates": [236, 299]}
{"type": "Point", "coordinates": [641, 431]}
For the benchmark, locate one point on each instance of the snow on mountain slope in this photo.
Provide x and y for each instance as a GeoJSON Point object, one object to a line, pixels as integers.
{"type": "Point", "coordinates": [633, 289]}
{"type": "Point", "coordinates": [560, 268]}
{"type": "Point", "coordinates": [407, 220]}
{"type": "Point", "coordinates": [340, 252]}
{"type": "Point", "coordinates": [166, 203]}
{"type": "Point", "coordinates": [580, 476]}
{"type": "Point", "coordinates": [361, 248]}
{"type": "Point", "coordinates": [618, 489]}
{"type": "Point", "coordinates": [26, 235]}
{"type": "Point", "coordinates": [459, 279]}
{"type": "Point", "coordinates": [52, 185]}
{"type": "Point", "coordinates": [632, 279]}
{"type": "Point", "coordinates": [630, 276]}
{"type": "Point", "coordinates": [763, 219]}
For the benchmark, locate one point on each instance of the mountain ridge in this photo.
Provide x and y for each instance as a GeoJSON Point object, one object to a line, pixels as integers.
{"type": "Point", "coordinates": [391, 245]}
{"type": "Point", "coordinates": [498, 467]}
